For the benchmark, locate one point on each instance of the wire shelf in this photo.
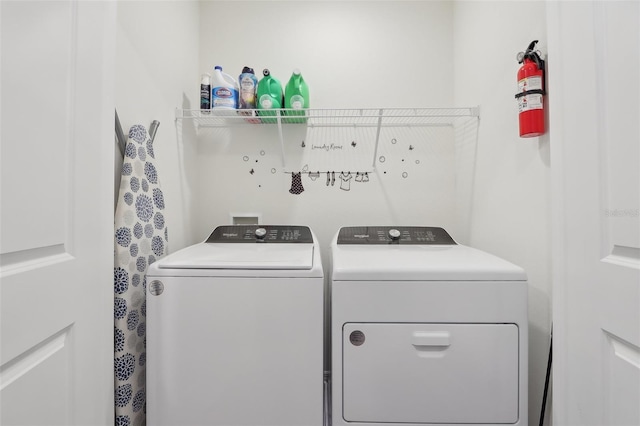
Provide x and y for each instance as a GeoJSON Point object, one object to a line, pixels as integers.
{"type": "Point", "coordinates": [361, 117]}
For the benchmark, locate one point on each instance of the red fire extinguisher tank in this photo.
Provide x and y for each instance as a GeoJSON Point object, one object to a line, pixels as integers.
{"type": "Point", "coordinates": [531, 91]}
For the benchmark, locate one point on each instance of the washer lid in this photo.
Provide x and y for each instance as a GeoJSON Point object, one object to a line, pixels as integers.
{"type": "Point", "coordinates": [276, 247]}
{"type": "Point", "coordinates": [419, 263]}
{"type": "Point", "coordinates": [241, 256]}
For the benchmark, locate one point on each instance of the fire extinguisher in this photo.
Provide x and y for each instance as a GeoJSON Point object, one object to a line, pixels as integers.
{"type": "Point", "coordinates": [531, 91]}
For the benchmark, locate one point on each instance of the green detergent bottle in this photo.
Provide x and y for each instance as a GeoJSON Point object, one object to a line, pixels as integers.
{"type": "Point", "coordinates": [296, 98]}
{"type": "Point", "coordinates": [270, 97]}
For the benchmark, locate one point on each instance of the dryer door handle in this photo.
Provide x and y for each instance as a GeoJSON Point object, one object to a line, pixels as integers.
{"type": "Point", "coordinates": [422, 339]}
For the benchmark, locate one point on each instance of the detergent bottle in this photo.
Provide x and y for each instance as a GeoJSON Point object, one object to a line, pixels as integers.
{"type": "Point", "coordinates": [296, 97]}
{"type": "Point", "coordinates": [224, 90]}
{"type": "Point", "coordinates": [248, 88]}
{"type": "Point", "coordinates": [205, 92]}
{"type": "Point", "coordinates": [270, 96]}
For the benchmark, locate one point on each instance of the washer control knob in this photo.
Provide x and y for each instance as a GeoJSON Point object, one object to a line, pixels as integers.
{"type": "Point", "coordinates": [394, 234]}
{"type": "Point", "coordinates": [261, 233]}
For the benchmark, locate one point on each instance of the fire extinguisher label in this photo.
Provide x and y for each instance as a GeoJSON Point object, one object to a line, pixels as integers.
{"type": "Point", "coordinates": [529, 102]}
{"type": "Point", "coordinates": [530, 83]}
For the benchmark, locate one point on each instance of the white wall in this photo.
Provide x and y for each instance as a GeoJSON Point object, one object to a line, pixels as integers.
{"type": "Point", "coordinates": [353, 55]}
{"type": "Point", "coordinates": [510, 206]}
{"type": "Point", "coordinates": [156, 70]}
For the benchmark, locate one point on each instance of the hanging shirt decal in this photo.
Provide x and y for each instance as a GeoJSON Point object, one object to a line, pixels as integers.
{"type": "Point", "coordinates": [345, 181]}
{"type": "Point", "coordinates": [296, 183]}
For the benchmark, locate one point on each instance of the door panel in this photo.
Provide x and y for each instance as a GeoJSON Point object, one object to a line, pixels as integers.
{"type": "Point", "coordinates": [617, 82]}
{"type": "Point", "coordinates": [421, 373]}
{"type": "Point", "coordinates": [595, 139]}
{"type": "Point", "coordinates": [617, 56]}
{"type": "Point", "coordinates": [37, 42]}
{"type": "Point", "coordinates": [56, 249]}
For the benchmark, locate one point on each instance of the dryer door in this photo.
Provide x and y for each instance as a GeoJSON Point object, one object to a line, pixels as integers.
{"type": "Point", "coordinates": [430, 373]}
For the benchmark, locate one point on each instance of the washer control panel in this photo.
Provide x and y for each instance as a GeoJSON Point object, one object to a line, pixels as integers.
{"type": "Point", "coordinates": [260, 234]}
{"type": "Point", "coordinates": [403, 235]}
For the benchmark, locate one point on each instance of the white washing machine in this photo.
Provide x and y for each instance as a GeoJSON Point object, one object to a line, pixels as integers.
{"type": "Point", "coordinates": [425, 331]}
{"type": "Point", "coordinates": [235, 330]}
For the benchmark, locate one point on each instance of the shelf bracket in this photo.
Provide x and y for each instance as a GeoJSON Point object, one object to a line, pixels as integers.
{"type": "Point", "coordinates": [375, 152]}
{"type": "Point", "coordinates": [279, 120]}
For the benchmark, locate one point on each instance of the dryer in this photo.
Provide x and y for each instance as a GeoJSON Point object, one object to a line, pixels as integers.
{"type": "Point", "coordinates": [235, 330]}
{"type": "Point", "coordinates": [425, 331]}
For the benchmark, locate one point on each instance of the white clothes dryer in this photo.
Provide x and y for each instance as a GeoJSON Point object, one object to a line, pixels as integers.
{"type": "Point", "coordinates": [235, 330]}
{"type": "Point", "coordinates": [425, 331]}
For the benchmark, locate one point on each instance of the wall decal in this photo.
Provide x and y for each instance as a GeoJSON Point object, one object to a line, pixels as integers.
{"type": "Point", "coordinates": [296, 183]}
{"type": "Point", "coordinates": [362, 177]}
{"type": "Point", "coordinates": [345, 179]}
{"type": "Point", "coordinates": [327, 147]}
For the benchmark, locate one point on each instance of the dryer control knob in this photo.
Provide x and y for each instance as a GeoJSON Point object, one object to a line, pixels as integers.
{"type": "Point", "coordinates": [261, 233]}
{"type": "Point", "coordinates": [394, 234]}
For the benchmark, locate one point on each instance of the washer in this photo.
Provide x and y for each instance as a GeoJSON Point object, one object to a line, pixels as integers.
{"type": "Point", "coordinates": [425, 331]}
{"type": "Point", "coordinates": [235, 330]}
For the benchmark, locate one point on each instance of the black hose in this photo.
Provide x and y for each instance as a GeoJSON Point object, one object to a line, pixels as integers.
{"type": "Point", "coordinates": [546, 382]}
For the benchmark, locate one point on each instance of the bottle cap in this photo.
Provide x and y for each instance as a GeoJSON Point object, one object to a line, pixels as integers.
{"type": "Point", "coordinates": [296, 71]}
{"type": "Point", "coordinates": [266, 72]}
{"type": "Point", "coordinates": [218, 67]}
{"type": "Point", "coordinates": [247, 70]}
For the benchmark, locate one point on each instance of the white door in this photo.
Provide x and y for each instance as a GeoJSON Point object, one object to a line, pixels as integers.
{"type": "Point", "coordinates": [57, 213]}
{"type": "Point", "coordinates": [594, 51]}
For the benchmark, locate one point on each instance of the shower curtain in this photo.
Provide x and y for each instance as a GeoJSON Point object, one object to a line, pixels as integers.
{"type": "Point", "coordinates": [140, 239]}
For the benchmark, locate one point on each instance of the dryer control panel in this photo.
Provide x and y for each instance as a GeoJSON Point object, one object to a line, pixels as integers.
{"type": "Point", "coordinates": [261, 234]}
{"type": "Point", "coordinates": [403, 235]}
